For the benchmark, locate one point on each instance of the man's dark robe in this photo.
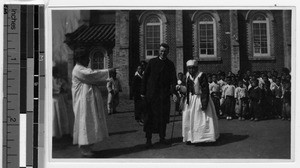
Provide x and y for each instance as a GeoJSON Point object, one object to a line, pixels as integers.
{"type": "Point", "coordinates": [158, 84]}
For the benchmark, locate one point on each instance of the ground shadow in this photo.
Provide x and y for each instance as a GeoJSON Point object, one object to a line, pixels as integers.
{"type": "Point", "coordinates": [224, 139]}
{"type": "Point", "coordinates": [122, 132]}
{"type": "Point", "coordinates": [110, 153]}
{"type": "Point", "coordinates": [123, 112]}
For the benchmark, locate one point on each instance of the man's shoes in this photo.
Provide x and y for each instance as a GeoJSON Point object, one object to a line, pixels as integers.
{"type": "Point", "coordinates": [149, 144]}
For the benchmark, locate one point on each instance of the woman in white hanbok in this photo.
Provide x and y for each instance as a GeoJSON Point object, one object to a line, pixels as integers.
{"type": "Point", "coordinates": [60, 115]}
{"type": "Point", "coordinates": [90, 121]}
{"type": "Point", "coordinates": [199, 119]}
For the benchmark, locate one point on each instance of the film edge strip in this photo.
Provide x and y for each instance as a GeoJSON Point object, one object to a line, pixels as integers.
{"type": "Point", "coordinates": [23, 77]}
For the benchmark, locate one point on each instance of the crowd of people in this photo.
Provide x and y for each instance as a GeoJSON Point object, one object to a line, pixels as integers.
{"type": "Point", "coordinates": [250, 95]}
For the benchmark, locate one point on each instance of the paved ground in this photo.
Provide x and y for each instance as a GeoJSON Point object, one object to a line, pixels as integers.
{"type": "Point", "coordinates": [268, 139]}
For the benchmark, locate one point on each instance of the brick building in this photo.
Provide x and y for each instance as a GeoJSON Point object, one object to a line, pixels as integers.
{"type": "Point", "coordinates": [227, 40]}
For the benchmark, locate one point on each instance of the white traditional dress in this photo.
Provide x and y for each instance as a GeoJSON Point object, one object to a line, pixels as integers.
{"type": "Point", "coordinates": [60, 117]}
{"type": "Point", "coordinates": [199, 125]}
{"type": "Point", "coordinates": [90, 122]}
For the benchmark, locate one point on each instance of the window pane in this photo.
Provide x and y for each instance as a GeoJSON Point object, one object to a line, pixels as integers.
{"type": "Point", "coordinates": [264, 38]}
{"type": "Point", "coordinates": [202, 39]}
{"type": "Point", "coordinates": [210, 51]}
{"type": "Point", "coordinates": [264, 44]}
{"type": "Point", "coordinates": [156, 28]}
{"type": "Point", "coordinates": [210, 32]}
{"type": "Point", "coordinates": [260, 34]}
{"type": "Point", "coordinates": [264, 50]}
{"type": "Point", "coordinates": [263, 32]}
{"type": "Point", "coordinates": [148, 33]}
{"type": "Point", "coordinates": [202, 45]}
{"type": "Point", "coordinates": [152, 38]}
{"type": "Point", "coordinates": [256, 44]}
{"type": "Point", "coordinates": [256, 38]}
{"type": "Point", "coordinates": [202, 27]}
{"type": "Point", "coordinates": [149, 52]}
{"type": "Point", "coordinates": [206, 35]}
{"type": "Point", "coordinates": [210, 26]}
{"type": "Point", "coordinates": [202, 33]}
{"type": "Point", "coordinates": [156, 34]}
{"type": "Point", "coordinates": [256, 32]}
{"type": "Point", "coordinates": [256, 50]}
{"type": "Point", "coordinates": [210, 45]}
{"type": "Point", "coordinates": [263, 25]}
{"type": "Point", "coordinates": [255, 26]}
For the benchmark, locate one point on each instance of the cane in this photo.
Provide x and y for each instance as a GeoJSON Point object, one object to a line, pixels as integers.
{"type": "Point", "coordinates": [173, 125]}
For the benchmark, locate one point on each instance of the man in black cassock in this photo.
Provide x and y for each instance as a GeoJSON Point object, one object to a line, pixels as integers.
{"type": "Point", "coordinates": [158, 85]}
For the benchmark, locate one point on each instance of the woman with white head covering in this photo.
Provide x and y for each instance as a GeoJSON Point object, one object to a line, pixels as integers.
{"type": "Point", "coordinates": [199, 119]}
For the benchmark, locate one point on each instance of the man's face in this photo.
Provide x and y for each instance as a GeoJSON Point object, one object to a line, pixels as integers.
{"type": "Point", "coordinates": [163, 52]}
{"type": "Point", "coordinates": [214, 78]}
{"type": "Point", "coordinates": [139, 69]}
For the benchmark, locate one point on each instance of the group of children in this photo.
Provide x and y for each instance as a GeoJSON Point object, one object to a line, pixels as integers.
{"type": "Point", "coordinates": [249, 96]}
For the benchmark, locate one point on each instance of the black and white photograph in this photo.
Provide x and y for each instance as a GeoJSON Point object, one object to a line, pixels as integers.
{"type": "Point", "coordinates": [172, 83]}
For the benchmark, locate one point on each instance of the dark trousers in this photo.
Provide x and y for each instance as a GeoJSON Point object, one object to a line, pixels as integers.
{"type": "Point", "coordinates": [138, 109]}
{"type": "Point", "coordinates": [229, 106]}
{"type": "Point", "coordinates": [162, 132]}
{"type": "Point", "coordinates": [216, 101]}
{"type": "Point", "coordinates": [255, 109]}
{"type": "Point", "coordinates": [277, 107]}
{"type": "Point", "coordinates": [156, 117]}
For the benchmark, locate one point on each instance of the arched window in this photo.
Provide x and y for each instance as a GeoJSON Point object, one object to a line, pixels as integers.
{"type": "Point", "coordinates": [98, 58]}
{"type": "Point", "coordinates": [153, 36]}
{"type": "Point", "coordinates": [207, 36]}
{"type": "Point", "coordinates": [206, 30]}
{"type": "Point", "coordinates": [153, 30]}
{"type": "Point", "coordinates": [261, 35]}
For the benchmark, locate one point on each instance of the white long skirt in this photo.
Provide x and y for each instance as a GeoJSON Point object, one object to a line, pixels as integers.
{"type": "Point", "coordinates": [60, 118]}
{"type": "Point", "coordinates": [198, 125]}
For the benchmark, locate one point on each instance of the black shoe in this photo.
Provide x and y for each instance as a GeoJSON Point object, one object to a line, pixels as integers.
{"type": "Point", "coordinates": [188, 143]}
{"type": "Point", "coordinates": [149, 144]}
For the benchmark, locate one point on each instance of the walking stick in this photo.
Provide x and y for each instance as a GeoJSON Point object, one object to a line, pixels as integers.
{"type": "Point", "coordinates": [173, 125]}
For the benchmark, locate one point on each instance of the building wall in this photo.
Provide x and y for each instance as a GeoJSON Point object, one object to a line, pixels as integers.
{"type": "Point", "coordinates": [129, 56]}
{"type": "Point", "coordinates": [224, 42]}
{"type": "Point", "coordinates": [262, 65]}
{"type": "Point", "coordinates": [171, 33]}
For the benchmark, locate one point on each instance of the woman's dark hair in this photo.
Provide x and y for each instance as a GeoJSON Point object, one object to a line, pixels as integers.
{"type": "Point", "coordinates": [81, 53]}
